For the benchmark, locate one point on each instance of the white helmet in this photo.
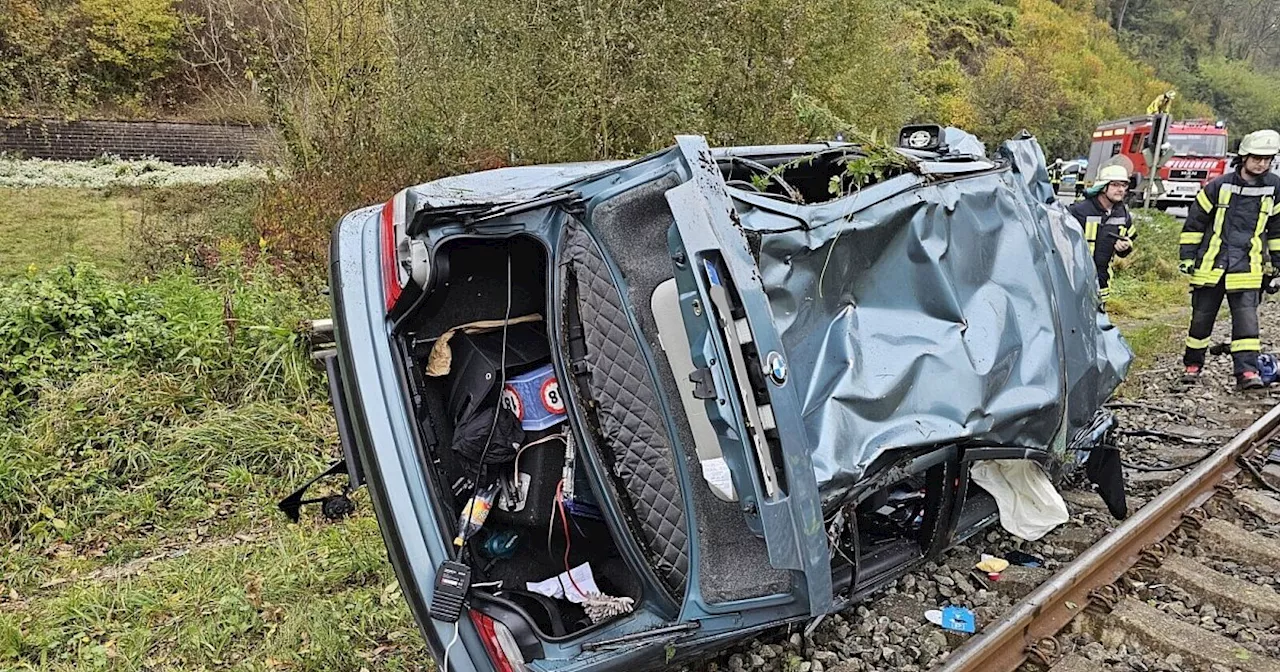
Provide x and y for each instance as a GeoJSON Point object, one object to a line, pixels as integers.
{"type": "Point", "coordinates": [1260, 143]}
{"type": "Point", "coordinates": [1112, 173]}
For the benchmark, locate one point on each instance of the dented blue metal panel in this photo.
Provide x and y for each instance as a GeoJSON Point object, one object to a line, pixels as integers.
{"type": "Point", "coordinates": [936, 312]}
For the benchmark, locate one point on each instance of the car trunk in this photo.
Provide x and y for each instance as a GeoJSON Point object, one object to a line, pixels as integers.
{"type": "Point", "coordinates": [540, 524]}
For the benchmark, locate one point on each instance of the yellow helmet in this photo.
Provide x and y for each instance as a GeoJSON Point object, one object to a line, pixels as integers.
{"type": "Point", "coordinates": [1112, 173]}
{"type": "Point", "coordinates": [1260, 143]}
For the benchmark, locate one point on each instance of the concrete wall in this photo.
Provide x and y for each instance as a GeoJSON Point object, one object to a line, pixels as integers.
{"type": "Point", "coordinates": [180, 143]}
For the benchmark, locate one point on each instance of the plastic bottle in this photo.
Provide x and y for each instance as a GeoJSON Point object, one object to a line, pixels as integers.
{"type": "Point", "coordinates": [474, 513]}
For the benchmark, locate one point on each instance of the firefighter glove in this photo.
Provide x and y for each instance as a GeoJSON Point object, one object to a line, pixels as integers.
{"type": "Point", "coordinates": [1271, 285]}
{"type": "Point", "coordinates": [1186, 265]}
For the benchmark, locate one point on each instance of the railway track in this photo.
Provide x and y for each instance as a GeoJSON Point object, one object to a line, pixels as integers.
{"type": "Point", "coordinates": [1167, 590]}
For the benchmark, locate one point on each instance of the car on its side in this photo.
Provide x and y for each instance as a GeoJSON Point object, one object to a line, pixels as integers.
{"type": "Point", "coordinates": [743, 387]}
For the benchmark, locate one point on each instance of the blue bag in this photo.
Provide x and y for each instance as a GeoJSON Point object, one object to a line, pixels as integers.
{"type": "Point", "coordinates": [535, 399]}
{"type": "Point", "coordinates": [1268, 368]}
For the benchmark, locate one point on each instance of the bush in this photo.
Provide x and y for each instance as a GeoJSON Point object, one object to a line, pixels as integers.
{"type": "Point", "coordinates": [72, 56]}
{"type": "Point", "coordinates": [58, 326]}
{"type": "Point", "coordinates": [125, 399]}
{"type": "Point", "coordinates": [197, 227]}
{"type": "Point", "coordinates": [128, 43]}
{"type": "Point", "coordinates": [236, 336]}
{"type": "Point", "coordinates": [1147, 283]}
{"type": "Point", "coordinates": [1246, 96]}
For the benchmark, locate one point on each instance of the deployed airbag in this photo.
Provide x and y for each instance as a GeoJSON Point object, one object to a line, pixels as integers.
{"type": "Point", "coordinates": [1030, 507]}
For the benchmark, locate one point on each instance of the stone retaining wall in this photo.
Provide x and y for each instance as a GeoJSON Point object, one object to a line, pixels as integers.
{"type": "Point", "coordinates": [180, 143]}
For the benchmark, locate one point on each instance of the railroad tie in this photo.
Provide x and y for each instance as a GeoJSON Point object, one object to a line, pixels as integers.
{"type": "Point", "coordinates": [1210, 585]}
{"type": "Point", "coordinates": [1240, 544]}
{"type": "Point", "coordinates": [1163, 632]}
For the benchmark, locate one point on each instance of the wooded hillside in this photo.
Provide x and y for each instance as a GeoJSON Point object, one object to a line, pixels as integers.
{"type": "Point", "coordinates": [498, 81]}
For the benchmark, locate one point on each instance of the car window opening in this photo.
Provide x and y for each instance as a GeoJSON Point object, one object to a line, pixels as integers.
{"type": "Point", "coordinates": [889, 527]}
{"type": "Point", "coordinates": [814, 178]}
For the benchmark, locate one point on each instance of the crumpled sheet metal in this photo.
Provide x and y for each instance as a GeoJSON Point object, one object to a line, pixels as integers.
{"type": "Point", "coordinates": [956, 311]}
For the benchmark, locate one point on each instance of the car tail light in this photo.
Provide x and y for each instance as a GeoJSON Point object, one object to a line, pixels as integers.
{"type": "Point", "coordinates": [498, 643]}
{"type": "Point", "coordinates": [394, 274]}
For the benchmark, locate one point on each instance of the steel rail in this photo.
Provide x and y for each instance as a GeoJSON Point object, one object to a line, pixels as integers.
{"type": "Point", "coordinates": [1003, 645]}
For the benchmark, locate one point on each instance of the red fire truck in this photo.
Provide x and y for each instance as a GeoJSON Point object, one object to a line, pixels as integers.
{"type": "Point", "coordinates": [1196, 153]}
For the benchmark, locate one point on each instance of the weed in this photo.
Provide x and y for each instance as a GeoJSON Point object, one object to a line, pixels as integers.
{"type": "Point", "coordinates": [128, 231]}
{"type": "Point", "coordinates": [155, 410]}
{"type": "Point", "coordinates": [314, 598]}
{"type": "Point", "coordinates": [1147, 284]}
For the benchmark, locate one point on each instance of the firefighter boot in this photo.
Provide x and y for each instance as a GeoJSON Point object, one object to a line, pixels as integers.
{"type": "Point", "coordinates": [1249, 380]}
{"type": "Point", "coordinates": [1191, 375]}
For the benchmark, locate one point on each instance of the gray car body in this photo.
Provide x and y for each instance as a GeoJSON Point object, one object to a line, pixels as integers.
{"type": "Point", "coordinates": [949, 306]}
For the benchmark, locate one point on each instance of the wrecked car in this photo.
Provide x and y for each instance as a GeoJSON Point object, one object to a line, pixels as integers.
{"type": "Point", "coordinates": [621, 414]}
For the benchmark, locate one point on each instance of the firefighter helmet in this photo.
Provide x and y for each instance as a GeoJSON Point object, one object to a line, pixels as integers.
{"type": "Point", "coordinates": [1112, 173]}
{"type": "Point", "coordinates": [1260, 143]}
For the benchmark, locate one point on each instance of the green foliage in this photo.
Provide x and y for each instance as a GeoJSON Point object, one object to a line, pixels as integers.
{"type": "Point", "coordinates": [60, 325]}
{"type": "Point", "coordinates": [36, 66]}
{"type": "Point", "coordinates": [129, 43]}
{"type": "Point", "coordinates": [876, 161]}
{"type": "Point", "coordinates": [57, 326]}
{"type": "Point", "coordinates": [130, 231]}
{"type": "Point", "coordinates": [149, 429]}
{"type": "Point", "coordinates": [557, 80]}
{"type": "Point", "coordinates": [466, 84]}
{"type": "Point", "coordinates": [1247, 97]}
{"type": "Point", "coordinates": [309, 598]}
{"type": "Point", "coordinates": [73, 55]}
{"type": "Point", "coordinates": [1147, 282]}
{"type": "Point", "coordinates": [117, 393]}
{"type": "Point", "coordinates": [1155, 254]}
{"type": "Point", "coordinates": [964, 28]}
{"type": "Point", "coordinates": [1221, 56]}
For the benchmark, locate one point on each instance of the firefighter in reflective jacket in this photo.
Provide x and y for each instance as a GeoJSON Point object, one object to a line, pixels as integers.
{"type": "Point", "coordinates": [1055, 175]}
{"type": "Point", "coordinates": [1108, 226]}
{"type": "Point", "coordinates": [1230, 241]}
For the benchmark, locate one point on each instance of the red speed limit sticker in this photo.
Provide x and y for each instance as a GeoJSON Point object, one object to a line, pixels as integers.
{"type": "Point", "coordinates": [511, 401]}
{"type": "Point", "coordinates": [551, 399]}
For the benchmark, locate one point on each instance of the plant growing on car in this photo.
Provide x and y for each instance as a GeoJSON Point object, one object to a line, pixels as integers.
{"type": "Point", "coordinates": [877, 161]}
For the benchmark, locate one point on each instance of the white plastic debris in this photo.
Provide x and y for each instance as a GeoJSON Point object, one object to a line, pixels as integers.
{"type": "Point", "coordinates": [598, 606]}
{"type": "Point", "coordinates": [1029, 504]}
{"type": "Point", "coordinates": [716, 472]}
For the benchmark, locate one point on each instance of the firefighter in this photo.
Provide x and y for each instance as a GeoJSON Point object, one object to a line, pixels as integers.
{"type": "Point", "coordinates": [1230, 241]}
{"type": "Point", "coordinates": [1108, 226]}
{"type": "Point", "coordinates": [1055, 176]}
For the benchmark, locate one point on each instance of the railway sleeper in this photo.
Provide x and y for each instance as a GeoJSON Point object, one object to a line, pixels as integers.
{"type": "Point", "coordinates": [1235, 542]}
{"type": "Point", "coordinates": [1222, 590]}
{"type": "Point", "coordinates": [1134, 620]}
{"type": "Point", "coordinates": [1260, 504]}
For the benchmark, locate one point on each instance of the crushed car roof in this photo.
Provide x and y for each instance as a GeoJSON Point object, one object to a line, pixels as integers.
{"type": "Point", "coordinates": [516, 184]}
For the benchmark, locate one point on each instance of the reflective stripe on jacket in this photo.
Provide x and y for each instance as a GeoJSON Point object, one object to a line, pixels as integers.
{"type": "Point", "coordinates": [1102, 228]}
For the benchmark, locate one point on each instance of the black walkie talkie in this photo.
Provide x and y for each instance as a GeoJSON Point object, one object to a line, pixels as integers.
{"type": "Point", "coordinates": [453, 579]}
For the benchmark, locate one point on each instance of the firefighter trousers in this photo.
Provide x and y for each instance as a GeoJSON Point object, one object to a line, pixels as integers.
{"type": "Point", "coordinates": [1205, 302]}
